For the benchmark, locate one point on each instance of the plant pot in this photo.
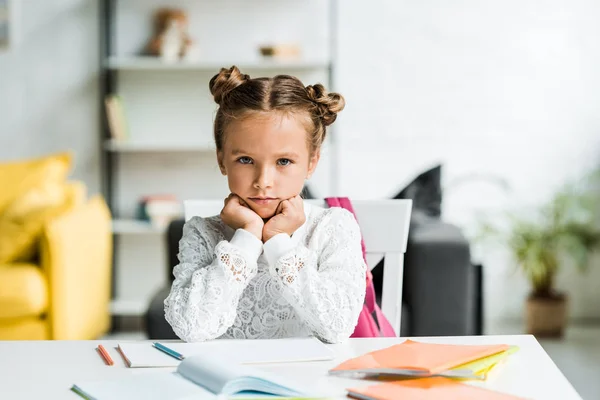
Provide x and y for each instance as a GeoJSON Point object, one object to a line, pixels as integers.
{"type": "Point", "coordinates": [546, 316]}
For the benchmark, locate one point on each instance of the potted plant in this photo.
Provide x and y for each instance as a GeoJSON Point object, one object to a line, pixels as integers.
{"type": "Point", "coordinates": [564, 231]}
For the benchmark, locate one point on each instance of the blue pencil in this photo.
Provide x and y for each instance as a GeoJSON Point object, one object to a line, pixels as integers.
{"type": "Point", "coordinates": [168, 351]}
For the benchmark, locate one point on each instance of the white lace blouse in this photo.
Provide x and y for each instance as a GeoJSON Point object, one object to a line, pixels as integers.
{"type": "Point", "coordinates": [229, 285]}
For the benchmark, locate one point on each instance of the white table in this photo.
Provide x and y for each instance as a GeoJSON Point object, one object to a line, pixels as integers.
{"type": "Point", "coordinates": [47, 369]}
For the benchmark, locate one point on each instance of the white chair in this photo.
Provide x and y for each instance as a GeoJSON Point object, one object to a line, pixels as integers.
{"type": "Point", "coordinates": [384, 225]}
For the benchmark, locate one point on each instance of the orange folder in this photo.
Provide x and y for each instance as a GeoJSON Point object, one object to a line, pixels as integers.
{"type": "Point", "coordinates": [428, 358]}
{"type": "Point", "coordinates": [427, 389]}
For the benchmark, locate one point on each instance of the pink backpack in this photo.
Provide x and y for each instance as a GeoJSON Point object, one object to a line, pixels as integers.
{"type": "Point", "coordinates": [371, 321]}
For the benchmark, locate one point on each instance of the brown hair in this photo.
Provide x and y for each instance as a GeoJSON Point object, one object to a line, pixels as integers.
{"type": "Point", "coordinates": [237, 95]}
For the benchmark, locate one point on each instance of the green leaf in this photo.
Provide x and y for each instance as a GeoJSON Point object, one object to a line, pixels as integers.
{"type": "Point", "coordinates": [566, 227]}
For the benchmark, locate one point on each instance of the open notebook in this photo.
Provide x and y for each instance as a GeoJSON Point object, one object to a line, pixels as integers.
{"type": "Point", "coordinates": [417, 359]}
{"type": "Point", "coordinates": [144, 355]}
{"type": "Point", "coordinates": [197, 377]}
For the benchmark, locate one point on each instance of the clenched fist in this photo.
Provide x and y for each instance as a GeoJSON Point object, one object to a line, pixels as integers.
{"type": "Point", "coordinates": [288, 217]}
{"type": "Point", "coordinates": [237, 215]}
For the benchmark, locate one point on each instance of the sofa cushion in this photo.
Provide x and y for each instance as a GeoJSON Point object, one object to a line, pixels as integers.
{"type": "Point", "coordinates": [16, 177]}
{"type": "Point", "coordinates": [22, 221]}
{"type": "Point", "coordinates": [426, 192]}
{"type": "Point", "coordinates": [23, 291]}
{"type": "Point", "coordinates": [30, 328]}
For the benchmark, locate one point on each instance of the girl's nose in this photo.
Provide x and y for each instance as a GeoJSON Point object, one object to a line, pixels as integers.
{"type": "Point", "coordinates": [264, 179]}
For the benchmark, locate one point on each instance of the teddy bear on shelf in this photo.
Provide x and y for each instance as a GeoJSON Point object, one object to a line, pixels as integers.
{"type": "Point", "coordinates": [171, 41]}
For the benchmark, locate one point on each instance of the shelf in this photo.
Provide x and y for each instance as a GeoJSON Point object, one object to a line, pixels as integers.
{"type": "Point", "coordinates": [135, 227]}
{"type": "Point", "coordinates": [167, 116]}
{"type": "Point", "coordinates": [141, 63]}
{"type": "Point", "coordinates": [128, 307]}
{"type": "Point", "coordinates": [132, 147]}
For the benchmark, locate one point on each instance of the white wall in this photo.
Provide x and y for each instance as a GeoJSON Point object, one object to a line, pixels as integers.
{"type": "Point", "coordinates": [507, 88]}
{"type": "Point", "coordinates": [49, 85]}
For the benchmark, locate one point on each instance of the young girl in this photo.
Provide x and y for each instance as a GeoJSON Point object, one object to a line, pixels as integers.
{"type": "Point", "coordinates": [270, 265]}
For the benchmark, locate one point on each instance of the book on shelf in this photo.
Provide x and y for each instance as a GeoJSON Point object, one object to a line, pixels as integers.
{"type": "Point", "coordinates": [117, 119]}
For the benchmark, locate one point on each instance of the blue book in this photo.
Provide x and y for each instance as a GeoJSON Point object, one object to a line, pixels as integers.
{"type": "Point", "coordinates": [196, 377]}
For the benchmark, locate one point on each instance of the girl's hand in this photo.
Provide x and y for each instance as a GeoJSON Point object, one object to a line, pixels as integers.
{"type": "Point", "coordinates": [238, 215]}
{"type": "Point", "coordinates": [289, 216]}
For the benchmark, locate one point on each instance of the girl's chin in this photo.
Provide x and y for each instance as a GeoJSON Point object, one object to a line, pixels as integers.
{"type": "Point", "coordinates": [263, 212]}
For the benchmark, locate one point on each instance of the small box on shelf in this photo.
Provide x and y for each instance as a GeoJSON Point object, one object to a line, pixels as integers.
{"type": "Point", "coordinates": [281, 52]}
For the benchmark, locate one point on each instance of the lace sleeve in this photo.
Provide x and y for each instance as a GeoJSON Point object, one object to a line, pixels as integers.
{"type": "Point", "coordinates": [327, 289]}
{"type": "Point", "coordinates": [209, 279]}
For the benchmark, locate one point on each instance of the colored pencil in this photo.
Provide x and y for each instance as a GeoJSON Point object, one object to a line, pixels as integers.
{"type": "Point", "coordinates": [168, 351]}
{"type": "Point", "coordinates": [104, 354]}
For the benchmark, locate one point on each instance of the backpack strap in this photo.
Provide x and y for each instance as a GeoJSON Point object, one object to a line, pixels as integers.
{"type": "Point", "coordinates": [344, 202]}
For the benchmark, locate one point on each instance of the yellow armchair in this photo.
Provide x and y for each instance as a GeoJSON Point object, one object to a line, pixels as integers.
{"type": "Point", "coordinates": [66, 294]}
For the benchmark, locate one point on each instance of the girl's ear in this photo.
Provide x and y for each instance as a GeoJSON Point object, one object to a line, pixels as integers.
{"type": "Point", "coordinates": [220, 162]}
{"type": "Point", "coordinates": [312, 163]}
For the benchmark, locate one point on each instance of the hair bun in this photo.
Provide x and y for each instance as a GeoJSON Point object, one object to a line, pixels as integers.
{"type": "Point", "coordinates": [225, 81]}
{"type": "Point", "coordinates": [328, 104]}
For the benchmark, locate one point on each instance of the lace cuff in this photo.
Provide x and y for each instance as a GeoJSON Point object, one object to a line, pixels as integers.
{"type": "Point", "coordinates": [238, 257]}
{"type": "Point", "coordinates": [289, 264]}
{"type": "Point", "coordinates": [276, 247]}
{"type": "Point", "coordinates": [248, 243]}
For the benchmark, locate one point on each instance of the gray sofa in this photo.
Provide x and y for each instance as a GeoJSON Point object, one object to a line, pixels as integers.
{"type": "Point", "coordinates": [441, 290]}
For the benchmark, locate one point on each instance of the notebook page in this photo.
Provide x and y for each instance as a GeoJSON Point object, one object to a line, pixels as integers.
{"type": "Point", "coordinates": [483, 365]}
{"type": "Point", "coordinates": [259, 351]}
{"type": "Point", "coordinates": [208, 372]}
{"type": "Point", "coordinates": [144, 355]}
{"type": "Point", "coordinates": [221, 376]}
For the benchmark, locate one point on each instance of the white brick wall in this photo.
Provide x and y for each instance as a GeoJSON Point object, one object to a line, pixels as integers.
{"type": "Point", "coordinates": [506, 88]}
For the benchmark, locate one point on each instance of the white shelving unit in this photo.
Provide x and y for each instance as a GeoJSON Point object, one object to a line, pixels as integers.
{"type": "Point", "coordinates": [145, 63]}
{"type": "Point", "coordinates": [169, 112]}
{"type": "Point", "coordinates": [135, 227]}
{"type": "Point", "coordinates": [175, 147]}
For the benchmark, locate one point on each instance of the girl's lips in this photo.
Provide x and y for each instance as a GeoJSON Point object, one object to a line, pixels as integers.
{"type": "Point", "coordinates": [261, 200]}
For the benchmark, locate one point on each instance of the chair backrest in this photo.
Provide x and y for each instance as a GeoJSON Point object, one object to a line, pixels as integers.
{"type": "Point", "coordinates": [384, 225]}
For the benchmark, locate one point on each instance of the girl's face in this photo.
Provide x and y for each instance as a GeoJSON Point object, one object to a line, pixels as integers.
{"type": "Point", "coordinates": [266, 159]}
